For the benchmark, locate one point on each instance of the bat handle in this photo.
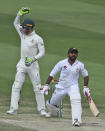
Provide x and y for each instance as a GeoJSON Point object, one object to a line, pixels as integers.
{"type": "Point", "coordinates": [88, 98]}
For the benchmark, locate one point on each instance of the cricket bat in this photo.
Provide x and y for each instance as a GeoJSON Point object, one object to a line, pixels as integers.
{"type": "Point", "coordinates": [92, 105]}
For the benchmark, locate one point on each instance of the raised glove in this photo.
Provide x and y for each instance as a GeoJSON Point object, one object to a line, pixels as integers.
{"type": "Point", "coordinates": [86, 92]}
{"type": "Point", "coordinates": [45, 89]}
{"type": "Point", "coordinates": [23, 11]}
{"type": "Point", "coordinates": [29, 61]}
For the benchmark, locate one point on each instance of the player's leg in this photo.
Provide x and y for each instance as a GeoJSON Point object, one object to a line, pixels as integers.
{"type": "Point", "coordinates": [76, 108]}
{"type": "Point", "coordinates": [35, 78]}
{"type": "Point", "coordinates": [15, 95]}
{"type": "Point", "coordinates": [53, 105]}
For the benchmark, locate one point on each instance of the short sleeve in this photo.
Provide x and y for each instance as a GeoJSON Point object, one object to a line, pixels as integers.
{"type": "Point", "coordinates": [56, 69]}
{"type": "Point", "coordinates": [83, 70]}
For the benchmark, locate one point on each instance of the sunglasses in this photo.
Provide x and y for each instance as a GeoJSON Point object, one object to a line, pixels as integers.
{"type": "Point", "coordinates": [74, 51]}
{"type": "Point", "coordinates": [27, 27]}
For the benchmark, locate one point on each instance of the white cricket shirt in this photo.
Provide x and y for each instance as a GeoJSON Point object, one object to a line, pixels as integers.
{"type": "Point", "coordinates": [69, 74]}
{"type": "Point", "coordinates": [32, 45]}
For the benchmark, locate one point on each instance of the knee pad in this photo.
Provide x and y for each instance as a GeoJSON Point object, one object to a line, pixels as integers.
{"type": "Point", "coordinates": [17, 86]}
{"type": "Point", "coordinates": [39, 96]}
{"type": "Point", "coordinates": [36, 87]}
{"type": "Point", "coordinates": [52, 109]}
{"type": "Point", "coordinates": [15, 94]}
{"type": "Point", "coordinates": [75, 98]}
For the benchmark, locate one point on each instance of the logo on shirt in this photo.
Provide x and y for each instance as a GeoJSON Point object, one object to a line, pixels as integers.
{"type": "Point", "coordinates": [65, 67]}
{"type": "Point", "coordinates": [77, 69]}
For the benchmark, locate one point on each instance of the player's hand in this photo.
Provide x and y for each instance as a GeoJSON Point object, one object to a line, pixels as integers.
{"type": "Point", "coordinates": [45, 89]}
{"type": "Point", "coordinates": [29, 61]}
{"type": "Point", "coordinates": [86, 92]}
{"type": "Point", "coordinates": [23, 11]}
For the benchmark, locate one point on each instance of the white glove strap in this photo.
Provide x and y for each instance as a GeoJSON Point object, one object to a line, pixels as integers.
{"type": "Point", "coordinates": [86, 90]}
{"type": "Point", "coordinates": [45, 89]}
{"type": "Point", "coordinates": [19, 13]}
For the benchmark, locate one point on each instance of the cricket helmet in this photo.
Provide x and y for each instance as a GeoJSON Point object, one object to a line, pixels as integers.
{"type": "Point", "coordinates": [28, 24]}
{"type": "Point", "coordinates": [73, 50]}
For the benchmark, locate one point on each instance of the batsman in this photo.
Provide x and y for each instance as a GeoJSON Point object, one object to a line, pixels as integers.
{"type": "Point", "coordinates": [32, 49]}
{"type": "Point", "coordinates": [69, 69]}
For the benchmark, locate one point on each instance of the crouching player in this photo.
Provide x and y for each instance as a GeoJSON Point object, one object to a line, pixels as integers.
{"type": "Point", "coordinates": [69, 69]}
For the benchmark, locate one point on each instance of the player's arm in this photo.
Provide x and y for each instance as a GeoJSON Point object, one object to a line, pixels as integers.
{"type": "Point", "coordinates": [86, 90]}
{"type": "Point", "coordinates": [84, 72]}
{"type": "Point", "coordinates": [45, 89]}
{"type": "Point", "coordinates": [49, 80]}
{"type": "Point", "coordinates": [54, 71]}
{"type": "Point", "coordinates": [41, 49]}
{"type": "Point", "coordinates": [57, 68]}
{"type": "Point", "coordinates": [86, 79]}
{"type": "Point", "coordinates": [16, 23]}
{"type": "Point", "coordinates": [41, 53]}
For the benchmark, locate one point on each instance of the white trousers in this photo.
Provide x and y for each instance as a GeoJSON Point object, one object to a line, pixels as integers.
{"type": "Point", "coordinates": [33, 72]}
{"type": "Point", "coordinates": [75, 98]}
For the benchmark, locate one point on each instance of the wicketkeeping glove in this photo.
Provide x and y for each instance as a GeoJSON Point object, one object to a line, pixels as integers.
{"type": "Point", "coordinates": [29, 61]}
{"type": "Point", "coordinates": [86, 92]}
{"type": "Point", "coordinates": [23, 11]}
{"type": "Point", "coordinates": [45, 89]}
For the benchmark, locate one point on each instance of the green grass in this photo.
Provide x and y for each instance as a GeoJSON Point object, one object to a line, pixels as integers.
{"type": "Point", "coordinates": [62, 24]}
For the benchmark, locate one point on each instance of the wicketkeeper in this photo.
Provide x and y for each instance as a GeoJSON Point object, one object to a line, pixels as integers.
{"type": "Point", "coordinates": [69, 69]}
{"type": "Point", "coordinates": [32, 49]}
